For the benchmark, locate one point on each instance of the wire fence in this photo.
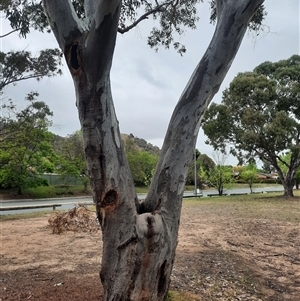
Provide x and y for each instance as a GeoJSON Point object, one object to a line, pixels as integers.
{"type": "Point", "coordinates": [56, 179]}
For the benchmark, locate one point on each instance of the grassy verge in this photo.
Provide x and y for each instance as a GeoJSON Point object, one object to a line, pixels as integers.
{"type": "Point", "coordinates": [266, 206]}
{"type": "Point", "coordinates": [12, 217]}
{"type": "Point", "coordinates": [271, 206]}
{"type": "Point", "coordinates": [236, 186]}
{"type": "Point", "coordinates": [70, 190]}
{"type": "Point", "coordinates": [44, 192]}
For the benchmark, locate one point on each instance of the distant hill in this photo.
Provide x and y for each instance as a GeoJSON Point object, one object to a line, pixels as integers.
{"type": "Point", "coordinates": [137, 143]}
{"type": "Point", "coordinates": [141, 144]}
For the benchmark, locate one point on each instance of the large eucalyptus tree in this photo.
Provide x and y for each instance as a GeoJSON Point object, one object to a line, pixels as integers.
{"type": "Point", "coordinates": [140, 238]}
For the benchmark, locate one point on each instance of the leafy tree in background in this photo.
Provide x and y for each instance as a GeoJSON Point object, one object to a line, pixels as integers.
{"type": "Point", "coordinates": [141, 255]}
{"type": "Point", "coordinates": [249, 175]}
{"type": "Point", "coordinates": [204, 165]}
{"type": "Point", "coordinates": [260, 115]}
{"type": "Point", "coordinates": [141, 162]}
{"type": "Point", "coordinates": [70, 157]}
{"type": "Point", "coordinates": [16, 66]}
{"type": "Point", "coordinates": [221, 176]}
{"type": "Point", "coordinates": [142, 165]}
{"type": "Point", "coordinates": [25, 145]}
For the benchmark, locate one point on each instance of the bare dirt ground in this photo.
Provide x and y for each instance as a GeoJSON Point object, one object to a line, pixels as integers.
{"type": "Point", "coordinates": [226, 251]}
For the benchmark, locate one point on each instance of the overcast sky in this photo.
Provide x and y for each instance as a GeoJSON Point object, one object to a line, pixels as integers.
{"type": "Point", "coordinates": [147, 85]}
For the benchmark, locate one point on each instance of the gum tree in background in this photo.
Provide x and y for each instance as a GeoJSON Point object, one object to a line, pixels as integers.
{"type": "Point", "coordinates": [70, 157]}
{"type": "Point", "coordinates": [260, 116]}
{"type": "Point", "coordinates": [249, 175]}
{"type": "Point", "coordinates": [25, 144]}
{"type": "Point", "coordinates": [140, 238]}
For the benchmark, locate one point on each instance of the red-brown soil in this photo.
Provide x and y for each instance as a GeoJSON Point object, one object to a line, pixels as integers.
{"type": "Point", "coordinates": [224, 253]}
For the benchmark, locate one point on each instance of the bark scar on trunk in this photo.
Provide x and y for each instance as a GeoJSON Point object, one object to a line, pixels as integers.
{"type": "Point", "coordinates": [149, 225]}
{"type": "Point", "coordinates": [110, 198]}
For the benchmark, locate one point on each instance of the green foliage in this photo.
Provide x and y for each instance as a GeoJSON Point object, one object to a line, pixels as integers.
{"type": "Point", "coordinates": [25, 145]}
{"type": "Point", "coordinates": [71, 158]}
{"type": "Point", "coordinates": [20, 65]}
{"type": "Point", "coordinates": [249, 175]}
{"type": "Point", "coordinates": [15, 66]}
{"type": "Point", "coordinates": [220, 177]}
{"type": "Point", "coordinates": [204, 164]}
{"type": "Point", "coordinates": [173, 18]}
{"type": "Point", "coordinates": [24, 15]}
{"type": "Point", "coordinates": [260, 115]}
{"type": "Point", "coordinates": [142, 165]}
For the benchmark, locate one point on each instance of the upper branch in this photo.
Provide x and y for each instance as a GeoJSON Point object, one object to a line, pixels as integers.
{"type": "Point", "coordinates": [204, 83]}
{"type": "Point", "coordinates": [105, 8]}
{"type": "Point", "coordinates": [158, 8]}
{"type": "Point", "coordinates": [63, 21]}
{"type": "Point", "coordinates": [7, 34]}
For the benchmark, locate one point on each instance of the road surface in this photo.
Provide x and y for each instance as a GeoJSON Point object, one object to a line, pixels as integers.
{"type": "Point", "coordinates": [70, 202]}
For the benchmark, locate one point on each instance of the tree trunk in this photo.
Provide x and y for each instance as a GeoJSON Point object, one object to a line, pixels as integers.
{"type": "Point", "coordinates": [139, 239]}
{"type": "Point", "coordinates": [289, 183]}
{"type": "Point", "coordinates": [288, 180]}
{"type": "Point", "coordinates": [250, 186]}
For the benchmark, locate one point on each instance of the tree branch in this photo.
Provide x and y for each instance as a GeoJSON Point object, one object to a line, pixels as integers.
{"type": "Point", "coordinates": [5, 35]}
{"type": "Point", "coordinates": [63, 20]}
{"type": "Point", "coordinates": [204, 83]}
{"type": "Point", "coordinates": [105, 8]}
{"type": "Point", "coordinates": [3, 84]}
{"type": "Point", "coordinates": [143, 17]}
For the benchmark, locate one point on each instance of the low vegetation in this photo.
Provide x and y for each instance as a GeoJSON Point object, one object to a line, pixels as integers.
{"type": "Point", "coordinates": [44, 192]}
{"type": "Point", "coordinates": [230, 248]}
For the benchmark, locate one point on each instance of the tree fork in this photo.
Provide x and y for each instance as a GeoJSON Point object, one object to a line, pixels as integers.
{"type": "Point", "coordinates": [139, 240]}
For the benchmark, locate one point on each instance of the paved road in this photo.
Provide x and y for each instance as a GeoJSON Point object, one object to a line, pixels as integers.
{"type": "Point", "coordinates": [68, 203]}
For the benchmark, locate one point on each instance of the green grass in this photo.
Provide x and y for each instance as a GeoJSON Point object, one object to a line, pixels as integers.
{"type": "Point", "coordinates": [143, 189]}
{"type": "Point", "coordinates": [271, 206]}
{"type": "Point", "coordinates": [265, 206]}
{"type": "Point", "coordinates": [43, 192]}
{"type": "Point", "coordinates": [236, 186]}
{"type": "Point", "coordinates": [12, 217]}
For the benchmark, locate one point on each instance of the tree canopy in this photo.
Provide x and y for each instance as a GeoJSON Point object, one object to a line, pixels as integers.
{"type": "Point", "coordinates": [260, 116]}
{"type": "Point", "coordinates": [172, 18]}
{"type": "Point", "coordinates": [25, 144]}
{"type": "Point", "coordinates": [17, 65]}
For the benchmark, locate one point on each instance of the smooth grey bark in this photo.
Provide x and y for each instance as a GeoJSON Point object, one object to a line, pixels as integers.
{"type": "Point", "coordinates": [288, 180]}
{"type": "Point", "coordinates": [139, 239]}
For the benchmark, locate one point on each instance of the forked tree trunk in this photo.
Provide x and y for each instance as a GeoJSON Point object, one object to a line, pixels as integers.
{"type": "Point", "coordinates": [288, 180]}
{"type": "Point", "coordinates": [139, 239]}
